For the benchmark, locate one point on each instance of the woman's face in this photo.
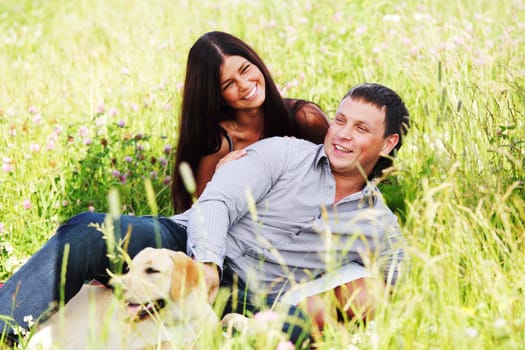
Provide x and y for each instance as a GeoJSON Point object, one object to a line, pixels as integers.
{"type": "Point", "coordinates": [242, 83]}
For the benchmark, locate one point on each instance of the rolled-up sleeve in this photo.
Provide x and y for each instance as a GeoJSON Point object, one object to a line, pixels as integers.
{"type": "Point", "coordinates": [225, 200]}
{"type": "Point", "coordinates": [392, 254]}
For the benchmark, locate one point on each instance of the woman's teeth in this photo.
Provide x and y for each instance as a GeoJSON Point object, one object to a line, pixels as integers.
{"type": "Point", "coordinates": [251, 93]}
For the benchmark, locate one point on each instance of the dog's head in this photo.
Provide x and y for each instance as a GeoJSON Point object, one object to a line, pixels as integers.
{"type": "Point", "coordinates": [157, 277]}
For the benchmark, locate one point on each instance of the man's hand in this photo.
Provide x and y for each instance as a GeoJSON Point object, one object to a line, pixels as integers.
{"type": "Point", "coordinates": [211, 273]}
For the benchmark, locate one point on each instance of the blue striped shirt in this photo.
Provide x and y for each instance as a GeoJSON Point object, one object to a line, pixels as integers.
{"type": "Point", "coordinates": [271, 217]}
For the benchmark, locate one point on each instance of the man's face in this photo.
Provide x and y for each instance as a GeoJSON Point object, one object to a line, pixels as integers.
{"type": "Point", "coordinates": [356, 137]}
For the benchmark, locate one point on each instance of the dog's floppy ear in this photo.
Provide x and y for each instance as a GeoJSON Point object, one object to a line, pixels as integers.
{"type": "Point", "coordinates": [185, 277]}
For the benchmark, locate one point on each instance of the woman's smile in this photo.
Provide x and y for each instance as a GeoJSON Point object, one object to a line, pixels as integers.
{"type": "Point", "coordinates": [252, 93]}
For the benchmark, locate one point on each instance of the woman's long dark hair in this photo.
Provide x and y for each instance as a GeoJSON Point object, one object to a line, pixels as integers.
{"type": "Point", "coordinates": [203, 108]}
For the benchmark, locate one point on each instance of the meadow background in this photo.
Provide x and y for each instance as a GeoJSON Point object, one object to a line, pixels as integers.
{"type": "Point", "coordinates": [90, 97]}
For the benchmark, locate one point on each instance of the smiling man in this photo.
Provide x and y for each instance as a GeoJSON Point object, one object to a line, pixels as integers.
{"type": "Point", "coordinates": [356, 140]}
{"type": "Point", "coordinates": [288, 221]}
{"type": "Point", "coordinates": [301, 193]}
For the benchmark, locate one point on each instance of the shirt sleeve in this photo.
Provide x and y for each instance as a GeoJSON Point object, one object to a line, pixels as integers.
{"type": "Point", "coordinates": [390, 250]}
{"type": "Point", "coordinates": [231, 194]}
{"type": "Point", "coordinates": [391, 254]}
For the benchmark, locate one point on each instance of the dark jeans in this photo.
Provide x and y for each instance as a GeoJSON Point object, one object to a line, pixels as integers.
{"type": "Point", "coordinates": [38, 285]}
{"type": "Point", "coordinates": [297, 325]}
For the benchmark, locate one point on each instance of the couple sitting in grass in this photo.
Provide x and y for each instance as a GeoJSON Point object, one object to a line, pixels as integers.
{"type": "Point", "coordinates": [282, 220]}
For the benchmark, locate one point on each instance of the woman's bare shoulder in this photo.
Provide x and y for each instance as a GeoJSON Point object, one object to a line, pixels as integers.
{"type": "Point", "coordinates": [223, 150]}
{"type": "Point", "coordinates": [307, 112]}
{"type": "Point", "coordinates": [313, 120]}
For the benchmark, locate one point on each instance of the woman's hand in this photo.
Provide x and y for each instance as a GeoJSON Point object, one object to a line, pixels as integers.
{"type": "Point", "coordinates": [234, 155]}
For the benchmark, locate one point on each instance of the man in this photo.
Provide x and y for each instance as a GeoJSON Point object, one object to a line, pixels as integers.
{"type": "Point", "coordinates": [290, 184]}
{"type": "Point", "coordinates": [287, 212]}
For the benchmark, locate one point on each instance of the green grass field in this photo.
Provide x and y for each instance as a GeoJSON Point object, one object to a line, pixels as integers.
{"type": "Point", "coordinates": [90, 97]}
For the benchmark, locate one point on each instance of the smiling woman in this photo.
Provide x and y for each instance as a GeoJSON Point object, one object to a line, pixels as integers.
{"type": "Point", "coordinates": [230, 101]}
{"type": "Point", "coordinates": [243, 89]}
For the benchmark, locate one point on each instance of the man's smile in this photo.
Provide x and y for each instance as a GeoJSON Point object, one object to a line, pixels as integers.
{"type": "Point", "coordinates": [342, 149]}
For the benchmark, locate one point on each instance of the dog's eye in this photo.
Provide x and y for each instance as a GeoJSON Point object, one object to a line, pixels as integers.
{"type": "Point", "coordinates": [151, 270]}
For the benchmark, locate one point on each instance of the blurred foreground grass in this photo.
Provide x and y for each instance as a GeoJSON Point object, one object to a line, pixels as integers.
{"type": "Point", "coordinates": [90, 96]}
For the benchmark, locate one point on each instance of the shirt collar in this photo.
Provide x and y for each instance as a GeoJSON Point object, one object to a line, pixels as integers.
{"type": "Point", "coordinates": [321, 155]}
{"type": "Point", "coordinates": [370, 188]}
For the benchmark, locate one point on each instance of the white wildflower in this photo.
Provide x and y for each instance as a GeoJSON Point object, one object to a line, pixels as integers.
{"type": "Point", "coordinates": [29, 320]}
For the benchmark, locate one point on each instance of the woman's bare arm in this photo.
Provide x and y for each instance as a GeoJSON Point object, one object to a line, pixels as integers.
{"type": "Point", "coordinates": [208, 165]}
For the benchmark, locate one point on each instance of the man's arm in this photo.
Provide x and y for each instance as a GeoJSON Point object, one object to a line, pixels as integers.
{"type": "Point", "coordinates": [224, 201]}
{"type": "Point", "coordinates": [356, 299]}
{"type": "Point", "coordinates": [211, 275]}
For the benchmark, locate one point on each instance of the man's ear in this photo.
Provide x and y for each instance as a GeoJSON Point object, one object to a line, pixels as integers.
{"type": "Point", "coordinates": [390, 142]}
{"type": "Point", "coordinates": [185, 275]}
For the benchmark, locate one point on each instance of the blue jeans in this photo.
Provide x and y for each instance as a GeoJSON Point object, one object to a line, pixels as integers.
{"type": "Point", "coordinates": [38, 285]}
{"type": "Point", "coordinates": [297, 324]}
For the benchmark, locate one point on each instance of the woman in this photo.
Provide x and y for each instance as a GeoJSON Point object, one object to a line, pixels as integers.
{"type": "Point", "coordinates": [230, 101]}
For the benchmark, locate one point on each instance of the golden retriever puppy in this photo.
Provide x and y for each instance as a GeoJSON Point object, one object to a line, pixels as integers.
{"type": "Point", "coordinates": [163, 305]}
